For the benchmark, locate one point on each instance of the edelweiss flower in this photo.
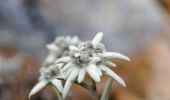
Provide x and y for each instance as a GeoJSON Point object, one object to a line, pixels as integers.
{"type": "Point", "coordinates": [90, 57]}
{"type": "Point", "coordinates": [60, 47]}
{"type": "Point", "coordinates": [48, 75]}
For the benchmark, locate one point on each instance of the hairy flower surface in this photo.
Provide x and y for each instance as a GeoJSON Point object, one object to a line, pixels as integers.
{"type": "Point", "coordinates": [71, 59]}
{"type": "Point", "coordinates": [60, 47]}
{"type": "Point", "coordinates": [89, 57]}
{"type": "Point", "coordinates": [48, 75]}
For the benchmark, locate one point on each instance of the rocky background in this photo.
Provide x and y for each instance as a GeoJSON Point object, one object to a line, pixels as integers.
{"type": "Point", "coordinates": [137, 28]}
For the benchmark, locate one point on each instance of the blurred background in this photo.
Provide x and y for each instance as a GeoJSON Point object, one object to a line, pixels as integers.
{"type": "Point", "coordinates": [136, 28]}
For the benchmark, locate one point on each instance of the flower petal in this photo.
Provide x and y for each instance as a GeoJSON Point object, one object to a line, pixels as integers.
{"type": "Point", "coordinates": [99, 71]}
{"type": "Point", "coordinates": [81, 75]}
{"type": "Point", "coordinates": [92, 71]}
{"type": "Point", "coordinates": [109, 63]}
{"type": "Point", "coordinates": [52, 47]}
{"type": "Point", "coordinates": [60, 65]}
{"type": "Point", "coordinates": [75, 40]}
{"type": "Point", "coordinates": [66, 89]}
{"type": "Point", "coordinates": [57, 84]}
{"type": "Point", "coordinates": [50, 58]}
{"type": "Point", "coordinates": [63, 60]}
{"type": "Point", "coordinates": [67, 66]}
{"type": "Point", "coordinates": [73, 74]}
{"type": "Point", "coordinates": [97, 39]}
{"type": "Point", "coordinates": [40, 85]}
{"type": "Point", "coordinates": [68, 72]}
{"type": "Point", "coordinates": [95, 59]}
{"type": "Point", "coordinates": [72, 47]}
{"type": "Point", "coordinates": [113, 75]}
{"type": "Point", "coordinates": [112, 55]}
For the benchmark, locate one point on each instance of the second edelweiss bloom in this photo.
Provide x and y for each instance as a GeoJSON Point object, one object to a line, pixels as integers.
{"type": "Point", "coordinates": [60, 47]}
{"type": "Point", "coordinates": [89, 57]}
{"type": "Point", "coordinates": [48, 76]}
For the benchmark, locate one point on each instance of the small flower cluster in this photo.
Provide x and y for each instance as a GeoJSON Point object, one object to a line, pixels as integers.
{"type": "Point", "coordinates": [50, 71]}
{"type": "Point", "coordinates": [48, 75]}
{"type": "Point", "coordinates": [71, 59]}
{"type": "Point", "coordinates": [60, 48]}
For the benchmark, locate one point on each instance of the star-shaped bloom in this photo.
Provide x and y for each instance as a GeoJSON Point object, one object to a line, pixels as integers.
{"type": "Point", "coordinates": [89, 57]}
{"type": "Point", "coordinates": [48, 75]}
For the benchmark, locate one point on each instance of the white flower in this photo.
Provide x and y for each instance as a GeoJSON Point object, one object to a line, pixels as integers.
{"type": "Point", "coordinates": [77, 59]}
{"type": "Point", "coordinates": [89, 57]}
{"type": "Point", "coordinates": [48, 75]}
{"type": "Point", "coordinates": [59, 47]}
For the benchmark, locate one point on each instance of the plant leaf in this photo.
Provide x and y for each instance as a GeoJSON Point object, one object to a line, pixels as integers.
{"type": "Point", "coordinates": [107, 89]}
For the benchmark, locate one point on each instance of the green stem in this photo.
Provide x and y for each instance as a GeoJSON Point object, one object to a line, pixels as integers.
{"type": "Point", "coordinates": [107, 89]}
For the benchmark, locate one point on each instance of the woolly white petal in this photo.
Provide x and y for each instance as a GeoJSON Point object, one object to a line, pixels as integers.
{"type": "Point", "coordinates": [113, 75]}
{"type": "Point", "coordinates": [66, 89]}
{"type": "Point", "coordinates": [61, 76]}
{"type": "Point", "coordinates": [92, 71]}
{"type": "Point", "coordinates": [67, 66]}
{"type": "Point", "coordinates": [63, 60]}
{"type": "Point", "coordinates": [111, 55]}
{"type": "Point", "coordinates": [50, 58]}
{"type": "Point", "coordinates": [40, 85]}
{"type": "Point", "coordinates": [99, 71]}
{"type": "Point", "coordinates": [95, 59]}
{"type": "Point", "coordinates": [81, 75]}
{"type": "Point", "coordinates": [97, 39]}
{"type": "Point", "coordinates": [73, 74]}
{"type": "Point", "coordinates": [76, 55]}
{"type": "Point", "coordinates": [52, 47]}
{"type": "Point", "coordinates": [74, 40]}
{"type": "Point", "coordinates": [60, 65]}
{"type": "Point", "coordinates": [67, 73]}
{"type": "Point", "coordinates": [109, 63]}
{"type": "Point", "coordinates": [57, 84]}
{"type": "Point", "coordinates": [74, 48]}
{"type": "Point", "coordinates": [64, 75]}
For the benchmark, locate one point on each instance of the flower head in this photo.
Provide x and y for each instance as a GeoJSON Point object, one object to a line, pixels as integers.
{"type": "Point", "coordinates": [48, 75]}
{"type": "Point", "coordinates": [60, 47]}
{"type": "Point", "coordinates": [71, 59]}
{"type": "Point", "coordinates": [89, 57]}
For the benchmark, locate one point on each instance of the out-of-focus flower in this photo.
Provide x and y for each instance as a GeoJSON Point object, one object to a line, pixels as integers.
{"type": "Point", "coordinates": [60, 47]}
{"type": "Point", "coordinates": [90, 57]}
{"type": "Point", "coordinates": [71, 59]}
{"type": "Point", "coordinates": [48, 75]}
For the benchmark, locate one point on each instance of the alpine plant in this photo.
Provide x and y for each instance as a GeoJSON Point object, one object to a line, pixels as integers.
{"type": "Point", "coordinates": [60, 48]}
{"type": "Point", "coordinates": [89, 57]}
{"type": "Point", "coordinates": [47, 76]}
{"type": "Point", "coordinates": [49, 72]}
{"type": "Point", "coordinates": [70, 59]}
